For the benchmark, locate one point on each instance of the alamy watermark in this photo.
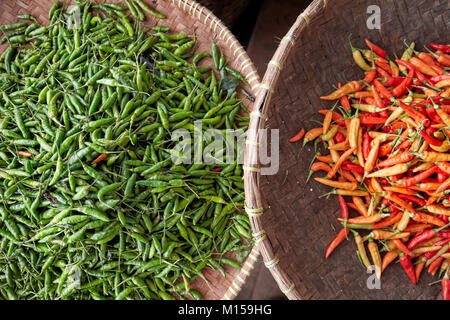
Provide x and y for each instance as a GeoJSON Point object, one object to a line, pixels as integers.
{"type": "Point", "coordinates": [374, 20]}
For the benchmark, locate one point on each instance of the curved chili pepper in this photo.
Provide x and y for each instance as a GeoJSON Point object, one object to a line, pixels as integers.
{"type": "Point", "coordinates": [298, 136]}
{"type": "Point", "coordinates": [370, 76]}
{"type": "Point", "coordinates": [345, 103]}
{"type": "Point", "coordinates": [422, 67]}
{"type": "Point", "coordinates": [382, 89]}
{"type": "Point", "coordinates": [403, 157]}
{"type": "Point", "coordinates": [376, 258]}
{"type": "Point", "coordinates": [382, 53]}
{"type": "Point", "coordinates": [431, 112]}
{"type": "Point", "coordinates": [406, 182]}
{"type": "Point", "coordinates": [100, 158]}
{"type": "Point", "coordinates": [440, 47]}
{"type": "Point", "coordinates": [409, 197]}
{"type": "Point", "coordinates": [435, 265]}
{"type": "Point", "coordinates": [402, 247]}
{"type": "Point", "coordinates": [424, 236]}
{"type": "Point", "coordinates": [393, 218]}
{"type": "Point", "coordinates": [444, 59]}
{"type": "Point", "coordinates": [388, 258]}
{"type": "Point", "coordinates": [366, 119]}
{"type": "Point", "coordinates": [350, 87]}
{"type": "Point", "coordinates": [439, 78]}
{"type": "Point", "coordinates": [344, 208]}
{"type": "Point", "coordinates": [392, 81]}
{"type": "Point", "coordinates": [341, 236]}
{"type": "Point", "coordinates": [402, 87]}
{"type": "Point", "coordinates": [405, 261]}
{"type": "Point", "coordinates": [413, 113]}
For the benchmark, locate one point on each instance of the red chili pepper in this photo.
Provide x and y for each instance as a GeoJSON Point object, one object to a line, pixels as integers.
{"type": "Point", "coordinates": [413, 199]}
{"type": "Point", "coordinates": [431, 254]}
{"type": "Point", "coordinates": [370, 76]}
{"type": "Point", "coordinates": [393, 81]}
{"type": "Point", "coordinates": [298, 136]}
{"type": "Point", "coordinates": [435, 265]}
{"type": "Point", "coordinates": [413, 113]}
{"type": "Point", "coordinates": [216, 169]}
{"type": "Point", "coordinates": [441, 177]}
{"type": "Point", "coordinates": [344, 207]}
{"type": "Point", "coordinates": [352, 167]}
{"type": "Point", "coordinates": [382, 89]}
{"type": "Point", "coordinates": [407, 182]}
{"type": "Point", "coordinates": [436, 79]}
{"type": "Point", "coordinates": [341, 236]}
{"type": "Point", "coordinates": [424, 236]}
{"type": "Point", "coordinates": [383, 73]}
{"type": "Point", "coordinates": [366, 119]}
{"type": "Point", "coordinates": [420, 77]}
{"type": "Point", "coordinates": [384, 66]}
{"type": "Point", "coordinates": [440, 47]}
{"type": "Point", "coordinates": [345, 103]}
{"type": "Point", "coordinates": [339, 137]}
{"type": "Point", "coordinates": [443, 234]}
{"type": "Point", "coordinates": [431, 140]}
{"type": "Point", "coordinates": [446, 286]}
{"type": "Point", "coordinates": [432, 114]}
{"type": "Point", "coordinates": [402, 87]}
{"type": "Point", "coordinates": [382, 53]}
{"type": "Point", "coordinates": [407, 265]}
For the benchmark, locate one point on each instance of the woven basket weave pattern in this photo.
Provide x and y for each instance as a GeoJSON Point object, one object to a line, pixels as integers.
{"type": "Point", "coordinates": [183, 16]}
{"type": "Point", "coordinates": [296, 226]}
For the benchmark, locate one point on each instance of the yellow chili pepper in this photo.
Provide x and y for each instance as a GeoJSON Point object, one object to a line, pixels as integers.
{"type": "Point", "coordinates": [387, 172]}
{"type": "Point", "coordinates": [376, 258]}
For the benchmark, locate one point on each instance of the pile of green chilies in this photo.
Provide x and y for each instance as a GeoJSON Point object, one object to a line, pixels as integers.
{"type": "Point", "coordinates": [91, 204]}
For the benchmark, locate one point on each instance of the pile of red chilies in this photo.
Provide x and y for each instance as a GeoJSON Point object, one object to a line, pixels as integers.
{"type": "Point", "coordinates": [388, 142]}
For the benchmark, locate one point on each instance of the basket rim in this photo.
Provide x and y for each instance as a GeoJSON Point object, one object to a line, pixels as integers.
{"type": "Point", "coordinates": [253, 197]}
{"type": "Point", "coordinates": [217, 30]}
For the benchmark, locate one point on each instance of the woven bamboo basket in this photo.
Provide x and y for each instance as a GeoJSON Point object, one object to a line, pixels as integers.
{"type": "Point", "coordinates": [183, 16]}
{"type": "Point", "coordinates": [291, 225]}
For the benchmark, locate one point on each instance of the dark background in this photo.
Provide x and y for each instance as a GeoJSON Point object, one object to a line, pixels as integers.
{"type": "Point", "coordinates": [259, 28]}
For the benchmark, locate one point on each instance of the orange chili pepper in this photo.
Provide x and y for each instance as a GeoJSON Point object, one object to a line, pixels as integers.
{"type": "Point", "coordinates": [422, 67]}
{"type": "Point", "coordinates": [298, 136]}
{"type": "Point", "coordinates": [100, 158]}
{"type": "Point", "coordinates": [336, 184]}
{"type": "Point", "coordinates": [382, 234]}
{"type": "Point", "coordinates": [393, 218]}
{"type": "Point", "coordinates": [346, 89]}
{"type": "Point", "coordinates": [318, 165]}
{"type": "Point", "coordinates": [338, 164]}
{"type": "Point", "coordinates": [25, 154]}
{"type": "Point", "coordinates": [364, 220]}
{"type": "Point", "coordinates": [387, 259]}
{"type": "Point", "coordinates": [312, 134]}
